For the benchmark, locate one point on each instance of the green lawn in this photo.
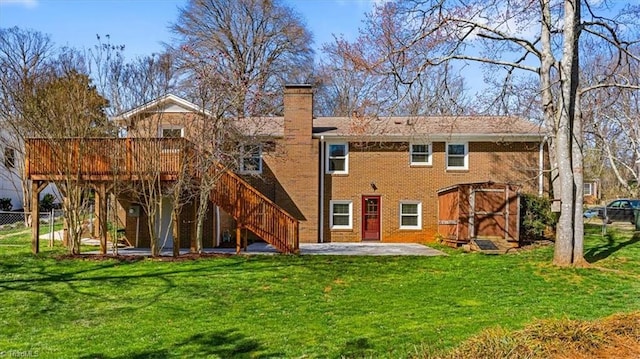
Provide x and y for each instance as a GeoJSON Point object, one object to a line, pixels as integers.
{"type": "Point", "coordinates": [296, 307]}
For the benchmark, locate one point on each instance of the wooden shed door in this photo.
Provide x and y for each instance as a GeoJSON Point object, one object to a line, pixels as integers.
{"type": "Point", "coordinates": [371, 218]}
{"type": "Point", "coordinates": [490, 211]}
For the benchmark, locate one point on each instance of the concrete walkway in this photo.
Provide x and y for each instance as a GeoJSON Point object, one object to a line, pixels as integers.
{"type": "Point", "coordinates": [332, 249]}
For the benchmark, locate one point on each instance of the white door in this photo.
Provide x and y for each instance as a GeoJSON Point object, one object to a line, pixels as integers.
{"type": "Point", "coordinates": [166, 226]}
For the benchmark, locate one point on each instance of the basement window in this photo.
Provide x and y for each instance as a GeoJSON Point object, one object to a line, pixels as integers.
{"type": "Point", "coordinates": [341, 215]}
{"type": "Point", "coordinates": [410, 215]}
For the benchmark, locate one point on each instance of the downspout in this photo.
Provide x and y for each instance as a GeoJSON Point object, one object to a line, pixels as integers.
{"type": "Point", "coordinates": [321, 229]}
{"type": "Point", "coordinates": [541, 167]}
{"type": "Point", "coordinates": [217, 226]}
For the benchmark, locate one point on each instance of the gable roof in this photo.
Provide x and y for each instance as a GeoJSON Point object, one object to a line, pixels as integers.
{"type": "Point", "coordinates": [166, 103]}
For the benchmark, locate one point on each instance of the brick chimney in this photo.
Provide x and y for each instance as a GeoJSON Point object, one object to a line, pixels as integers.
{"type": "Point", "coordinates": [296, 168]}
{"type": "Point", "coordinates": [298, 113]}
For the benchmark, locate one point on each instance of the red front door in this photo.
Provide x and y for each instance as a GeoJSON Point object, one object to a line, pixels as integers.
{"type": "Point", "coordinates": [370, 218]}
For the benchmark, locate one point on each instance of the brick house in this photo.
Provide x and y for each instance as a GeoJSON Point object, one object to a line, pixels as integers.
{"type": "Point", "coordinates": [341, 174]}
{"type": "Point", "coordinates": [355, 178]}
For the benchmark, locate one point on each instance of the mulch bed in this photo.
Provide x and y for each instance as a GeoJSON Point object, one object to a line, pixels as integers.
{"type": "Point", "coordinates": [136, 258]}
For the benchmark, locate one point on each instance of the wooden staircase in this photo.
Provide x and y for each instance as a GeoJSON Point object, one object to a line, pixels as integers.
{"type": "Point", "coordinates": [133, 159]}
{"type": "Point", "coordinates": [254, 211]}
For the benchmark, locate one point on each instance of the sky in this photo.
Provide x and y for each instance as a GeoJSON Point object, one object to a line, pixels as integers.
{"type": "Point", "coordinates": [142, 25]}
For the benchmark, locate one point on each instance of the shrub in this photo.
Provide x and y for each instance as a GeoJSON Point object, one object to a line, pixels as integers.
{"type": "Point", "coordinates": [535, 217]}
{"type": "Point", "coordinates": [46, 203]}
{"type": "Point", "coordinates": [5, 204]}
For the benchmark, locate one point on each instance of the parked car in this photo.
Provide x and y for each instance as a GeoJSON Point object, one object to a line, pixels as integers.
{"type": "Point", "coordinates": [620, 210]}
{"type": "Point", "coordinates": [592, 212]}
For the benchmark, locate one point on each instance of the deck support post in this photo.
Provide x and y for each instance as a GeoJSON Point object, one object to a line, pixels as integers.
{"type": "Point", "coordinates": [194, 226]}
{"type": "Point", "coordinates": [245, 240]}
{"type": "Point", "coordinates": [238, 238]}
{"type": "Point", "coordinates": [176, 231]}
{"type": "Point", "coordinates": [36, 187]}
{"type": "Point", "coordinates": [101, 216]}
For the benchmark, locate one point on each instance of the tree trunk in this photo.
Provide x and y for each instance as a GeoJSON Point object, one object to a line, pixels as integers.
{"type": "Point", "coordinates": [203, 205]}
{"type": "Point", "coordinates": [566, 234]}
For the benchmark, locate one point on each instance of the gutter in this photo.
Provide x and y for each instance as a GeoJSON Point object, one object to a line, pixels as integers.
{"type": "Point", "coordinates": [520, 137]}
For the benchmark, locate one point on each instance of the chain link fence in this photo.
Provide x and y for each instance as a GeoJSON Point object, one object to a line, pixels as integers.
{"type": "Point", "coordinates": [13, 220]}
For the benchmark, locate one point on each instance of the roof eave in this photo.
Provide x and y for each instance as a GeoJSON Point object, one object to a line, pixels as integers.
{"type": "Point", "coordinates": [503, 137]}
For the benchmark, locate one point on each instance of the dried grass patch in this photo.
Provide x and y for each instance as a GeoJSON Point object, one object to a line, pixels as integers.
{"type": "Point", "coordinates": [617, 336]}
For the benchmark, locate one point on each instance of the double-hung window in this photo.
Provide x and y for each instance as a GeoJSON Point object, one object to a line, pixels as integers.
{"type": "Point", "coordinates": [410, 215]}
{"type": "Point", "coordinates": [588, 189]}
{"type": "Point", "coordinates": [457, 156]}
{"type": "Point", "coordinates": [251, 159]}
{"type": "Point", "coordinates": [341, 216]}
{"type": "Point", "coordinates": [420, 154]}
{"type": "Point", "coordinates": [337, 158]}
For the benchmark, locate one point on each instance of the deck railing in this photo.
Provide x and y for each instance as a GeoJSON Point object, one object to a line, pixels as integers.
{"type": "Point", "coordinates": [105, 158]}
{"type": "Point", "coordinates": [255, 212]}
{"type": "Point", "coordinates": [101, 159]}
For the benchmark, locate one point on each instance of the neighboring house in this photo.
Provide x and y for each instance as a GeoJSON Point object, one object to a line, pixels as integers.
{"type": "Point", "coordinates": [349, 179]}
{"type": "Point", "coordinates": [10, 185]}
{"type": "Point", "coordinates": [11, 169]}
{"type": "Point", "coordinates": [591, 191]}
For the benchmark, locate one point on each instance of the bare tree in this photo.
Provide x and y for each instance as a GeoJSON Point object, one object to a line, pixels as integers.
{"type": "Point", "coordinates": [235, 56]}
{"type": "Point", "coordinates": [396, 83]}
{"type": "Point", "coordinates": [538, 38]}
{"type": "Point", "coordinates": [66, 112]}
{"type": "Point", "coordinates": [24, 57]}
{"type": "Point", "coordinates": [612, 125]}
{"type": "Point", "coordinates": [252, 47]}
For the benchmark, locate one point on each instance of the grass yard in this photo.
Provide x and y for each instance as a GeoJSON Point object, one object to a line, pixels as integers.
{"type": "Point", "coordinates": [297, 307]}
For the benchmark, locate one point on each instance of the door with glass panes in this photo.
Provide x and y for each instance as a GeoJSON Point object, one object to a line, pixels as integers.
{"type": "Point", "coordinates": [370, 218]}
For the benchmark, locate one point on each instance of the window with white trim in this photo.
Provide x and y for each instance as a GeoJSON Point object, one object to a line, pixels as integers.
{"type": "Point", "coordinates": [410, 215]}
{"type": "Point", "coordinates": [588, 189]}
{"type": "Point", "coordinates": [341, 216]}
{"type": "Point", "coordinates": [337, 158]}
{"type": "Point", "coordinates": [420, 154]}
{"type": "Point", "coordinates": [171, 131]}
{"type": "Point", "coordinates": [457, 156]}
{"type": "Point", "coordinates": [251, 159]}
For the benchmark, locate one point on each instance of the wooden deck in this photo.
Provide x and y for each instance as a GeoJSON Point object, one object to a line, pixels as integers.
{"type": "Point", "coordinates": [132, 159]}
{"type": "Point", "coordinates": [101, 159]}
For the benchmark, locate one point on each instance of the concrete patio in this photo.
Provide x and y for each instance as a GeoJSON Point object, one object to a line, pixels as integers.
{"type": "Point", "coordinates": [333, 249]}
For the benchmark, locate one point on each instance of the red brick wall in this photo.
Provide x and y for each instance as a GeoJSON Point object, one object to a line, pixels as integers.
{"type": "Point", "coordinates": [387, 165]}
{"type": "Point", "coordinates": [294, 164]}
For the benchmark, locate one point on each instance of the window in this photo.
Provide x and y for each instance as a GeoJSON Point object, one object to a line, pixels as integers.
{"type": "Point", "coordinates": [172, 132]}
{"type": "Point", "coordinates": [410, 215]}
{"type": "Point", "coordinates": [251, 159]}
{"type": "Point", "coordinates": [588, 189]}
{"type": "Point", "coordinates": [9, 157]}
{"type": "Point", "coordinates": [340, 216]}
{"type": "Point", "coordinates": [457, 156]}
{"type": "Point", "coordinates": [420, 154]}
{"type": "Point", "coordinates": [337, 158]}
